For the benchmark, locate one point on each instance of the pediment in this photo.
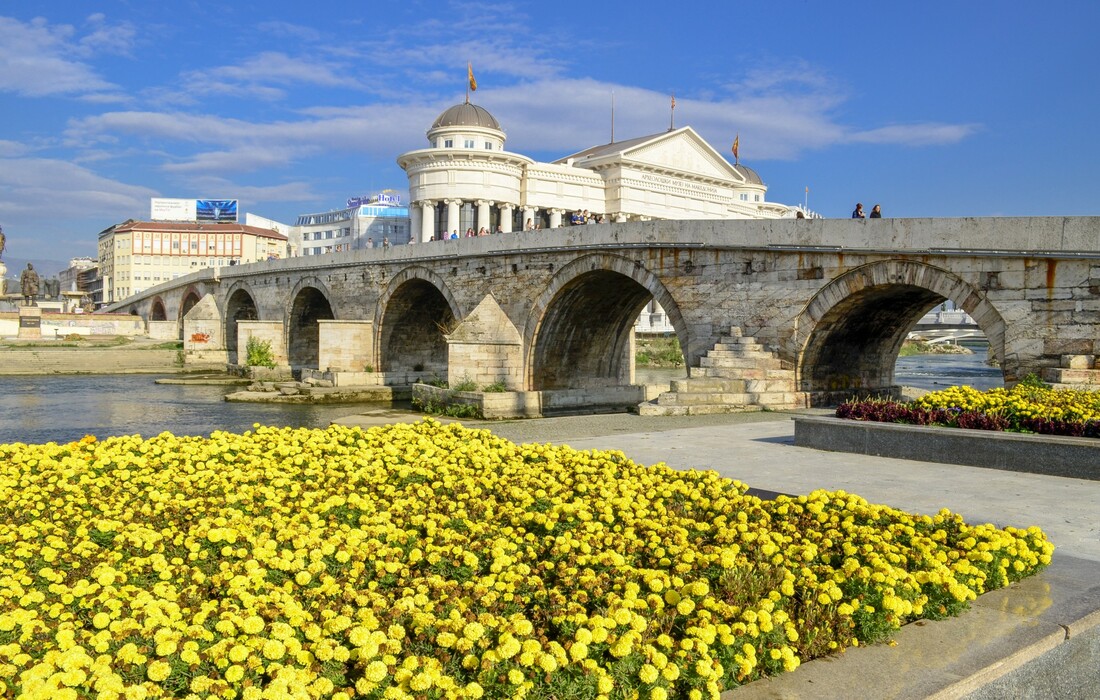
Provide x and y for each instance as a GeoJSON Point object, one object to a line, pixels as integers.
{"type": "Point", "coordinates": [683, 151]}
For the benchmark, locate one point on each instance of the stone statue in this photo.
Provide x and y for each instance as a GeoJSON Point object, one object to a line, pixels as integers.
{"type": "Point", "coordinates": [28, 281]}
{"type": "Point", "coordinates": [3, 240]}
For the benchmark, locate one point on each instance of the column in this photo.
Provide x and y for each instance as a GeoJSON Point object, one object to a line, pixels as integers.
{"type": "Point", "coordinates": [555, 218]}
{"type": "Point", "coordinates": [427, 221]}
{"type": "Point", "coordinates": [452, 217]}
{"type": "Point", "coordinates": [506, 217]}
{"type": "Point", "coordinates": [483, 215]}
{"type": "Point", "coordinates": [528, 213]}
{"type": "Point", "coordinates": [414, 222]}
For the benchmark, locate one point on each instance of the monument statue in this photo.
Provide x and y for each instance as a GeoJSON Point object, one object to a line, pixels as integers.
{"type": "Point", "coordinates": [28, 281]}
{"type": "Point", "coordinates": [3, 240]}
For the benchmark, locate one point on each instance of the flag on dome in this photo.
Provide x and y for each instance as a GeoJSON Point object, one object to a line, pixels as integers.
{"type": "Point", "coordinates": [736, 142]}
{"type": "Point", "coordinates": [470, 73]}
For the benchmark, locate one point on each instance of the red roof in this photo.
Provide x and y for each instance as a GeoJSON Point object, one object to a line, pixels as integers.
{"type": "Point", "coordinates": [196, 227]}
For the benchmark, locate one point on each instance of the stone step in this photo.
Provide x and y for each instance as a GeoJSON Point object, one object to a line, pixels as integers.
{"type": "Point", "coordinates": [737, 340]}
{"type": "Point", "coordinates": [1080, 377]}
{"type": "Point", "coordinates": [725, 350]}
{"type": "Point", "coordinates": [674, 398]}
{"type": "Point", "coordinates": [769, 385]}
{"type": "Point", "coordinates": [769, 362]}
{"type": "Point", "coordinates": [740, 373]}
{"type": "Point", "coordinates": [724, 384]}
{"type": "Point", "coordinates": [652, 409]}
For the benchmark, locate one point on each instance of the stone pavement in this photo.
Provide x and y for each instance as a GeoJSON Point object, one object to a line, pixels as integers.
{"type": "Point", "coordinates": [1014, 643]}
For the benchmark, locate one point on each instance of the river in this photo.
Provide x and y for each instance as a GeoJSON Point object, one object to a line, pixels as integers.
{"type": "Point", "coordinates": [65, 408]}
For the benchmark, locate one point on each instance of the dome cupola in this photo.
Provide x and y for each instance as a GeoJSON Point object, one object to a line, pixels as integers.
{"type": "Point", "coordinates": [466, 126]}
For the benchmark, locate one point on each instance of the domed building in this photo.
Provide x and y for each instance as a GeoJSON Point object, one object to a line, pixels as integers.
{"type": "Point", "coordinates": [466, 179]}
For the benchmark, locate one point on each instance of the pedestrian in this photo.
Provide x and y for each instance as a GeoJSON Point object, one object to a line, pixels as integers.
{"type": "Point", "coordinates": [876, 212]}
{"type": "Point", "coordinates": [385, 242]}
{"type": "Point", "coordinates": [370, 242]}
{"type": "Point", "coordinates": [858, 213]}
{"type": "Point", "coordinates": [529, 226]}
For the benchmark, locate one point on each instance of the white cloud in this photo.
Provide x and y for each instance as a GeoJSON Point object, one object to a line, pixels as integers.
{"type": "Point", "coordinates": [12, 149]}
{"type": "Point", "coordinates": [35, 61]}
{"type": "Point", "coordinates": [930, 134]}
{"type": "Point", "coordinates": [106, 38]}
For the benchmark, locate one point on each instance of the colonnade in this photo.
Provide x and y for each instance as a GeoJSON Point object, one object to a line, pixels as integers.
{"type": "Point", "coordinates": [422, 217]}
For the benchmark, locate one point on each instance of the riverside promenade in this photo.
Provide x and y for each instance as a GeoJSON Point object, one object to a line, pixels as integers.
{"type": "Point", "coordinates": [1036, 639]}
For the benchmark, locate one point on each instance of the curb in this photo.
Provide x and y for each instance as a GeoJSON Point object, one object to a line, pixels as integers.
{"type": "Point", "coordinates": [1050, 455]}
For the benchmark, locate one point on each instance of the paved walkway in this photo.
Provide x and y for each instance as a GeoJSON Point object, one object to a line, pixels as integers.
{"type": "Point", "coordinates": [1014, 643]}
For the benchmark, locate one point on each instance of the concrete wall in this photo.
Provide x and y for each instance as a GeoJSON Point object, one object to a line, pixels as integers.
{"type": "Point", "coordinates": [60, 325]}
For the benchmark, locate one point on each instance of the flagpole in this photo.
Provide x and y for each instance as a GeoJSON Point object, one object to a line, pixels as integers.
{"type": "Point", "coordinates": [672, 114]}
{"type": "Point", "coordinates": [612, 116]}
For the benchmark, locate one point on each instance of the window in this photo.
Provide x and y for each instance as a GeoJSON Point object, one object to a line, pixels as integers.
{"type": "Point", "coordinates": [488, 145]}
{"type": "Point", "coordinates": [756, 198]}
{"type": "Point", "coordinates": [744, 198]}
{"type": "Point", "coordinates": [449, 143]}
{"type": "Point", "coordinates": [469, 143]}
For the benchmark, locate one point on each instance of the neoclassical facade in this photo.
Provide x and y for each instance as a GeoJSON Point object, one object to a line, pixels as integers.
{"type": "Point", "coordinates": [465, 179]}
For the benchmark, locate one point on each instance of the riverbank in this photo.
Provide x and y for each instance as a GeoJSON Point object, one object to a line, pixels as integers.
{"type": "Point", "coordinates": [90, 355]}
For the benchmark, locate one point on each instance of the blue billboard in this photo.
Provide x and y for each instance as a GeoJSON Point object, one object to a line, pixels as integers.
{"type": "Point", "coordinates": [216, 210]}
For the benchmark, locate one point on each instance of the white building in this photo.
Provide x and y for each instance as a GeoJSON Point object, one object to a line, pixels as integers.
{"type": "Point", "coordinates": [366, 222]}
{"type": "Point", "coordinates": [466, 180]}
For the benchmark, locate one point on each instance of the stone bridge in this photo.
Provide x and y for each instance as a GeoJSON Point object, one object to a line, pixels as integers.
{"type": "Point", "coordinates": [801, 310]}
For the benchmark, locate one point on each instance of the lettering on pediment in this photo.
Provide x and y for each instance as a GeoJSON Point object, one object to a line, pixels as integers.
{"type": "Point", "coordinates": [683, 153]}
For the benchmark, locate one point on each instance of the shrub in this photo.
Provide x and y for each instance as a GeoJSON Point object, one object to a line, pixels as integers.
{"type": "Point", "coordinates": [258, 353]}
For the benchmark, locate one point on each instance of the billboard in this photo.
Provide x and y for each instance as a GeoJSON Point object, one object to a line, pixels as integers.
{"type": "Point", "coordinates": [213, 210]}
{"type": "Point", "coordinates": [172, 210]}
{"type": "Point", "coordinates": [216, 210]}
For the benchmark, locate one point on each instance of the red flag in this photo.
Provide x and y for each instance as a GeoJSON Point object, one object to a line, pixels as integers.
{"type": "Point", "coordinates": [736, 142]}
{"type": "Point", "coordinates": [470, 73]}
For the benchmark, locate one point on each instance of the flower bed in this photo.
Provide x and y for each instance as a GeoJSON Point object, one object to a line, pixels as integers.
{"type": "Point", "coordinates": [1027, 407]}
{"type": "Point", "coordinates": [437, 561]}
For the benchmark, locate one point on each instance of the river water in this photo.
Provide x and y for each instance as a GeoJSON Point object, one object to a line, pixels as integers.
{"type": "Point", "coordinates": [65, 408]}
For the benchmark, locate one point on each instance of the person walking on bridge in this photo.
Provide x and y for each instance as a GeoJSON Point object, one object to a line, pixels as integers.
{"type": "Point", "coordinates": [858, 213]}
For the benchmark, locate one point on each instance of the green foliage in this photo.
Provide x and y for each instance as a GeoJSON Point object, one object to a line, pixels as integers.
{"type": "Point", "coordinates": [369, 368]}
{"type": "Point", "coordinates": [466, 384]}
{"type": "Point", "coordinates": [443, 407]}
{"type": "Point", "coordinates": [258, 353]}
{"type": "Point", "coordinates": [658, 352]}
{"type": "Point", "coordinates": [495, 388]}
{"type": "Point", "coordinates": [1032, 381]}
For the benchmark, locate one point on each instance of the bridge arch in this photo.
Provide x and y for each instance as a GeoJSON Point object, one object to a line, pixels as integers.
{"type": "Point", "coordinates": [240, 305]}
{"type": "Point", "coordinates": [849, 334]}
{"type": "Point", "coordinates": [157, 311]}
{"type": "Point", "coordinates": [309, 303]}
{"type": "Point", "coordinates": [578, 332]}
{"type": "Point", "coordinates": [191, 297]}
{"type": "Point", "coordinates": [413, 315]}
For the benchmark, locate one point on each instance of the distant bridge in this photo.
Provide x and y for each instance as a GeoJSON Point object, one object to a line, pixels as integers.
{"type": "Point", "coordinates": [822, 306]}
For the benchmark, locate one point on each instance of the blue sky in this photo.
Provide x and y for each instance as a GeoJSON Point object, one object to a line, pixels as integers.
{"type": "Point", "coordinates": [931, 109]}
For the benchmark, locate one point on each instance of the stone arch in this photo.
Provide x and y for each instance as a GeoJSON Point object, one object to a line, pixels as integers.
{"type": "Point", "coordinates": [240, 305]}
{"type": "Point", "coordinates": [157, 311]}
{"type": "Point", "coordinates": [309, 304]}
{"type": "Point", "coordinates": [412, 318]}
{"type": "Point", "coordinates": [848, 336]}
{"type": "Point", "coordinates": [191, 297]}
{"type": "Point", "coordinates": [578, 332]}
